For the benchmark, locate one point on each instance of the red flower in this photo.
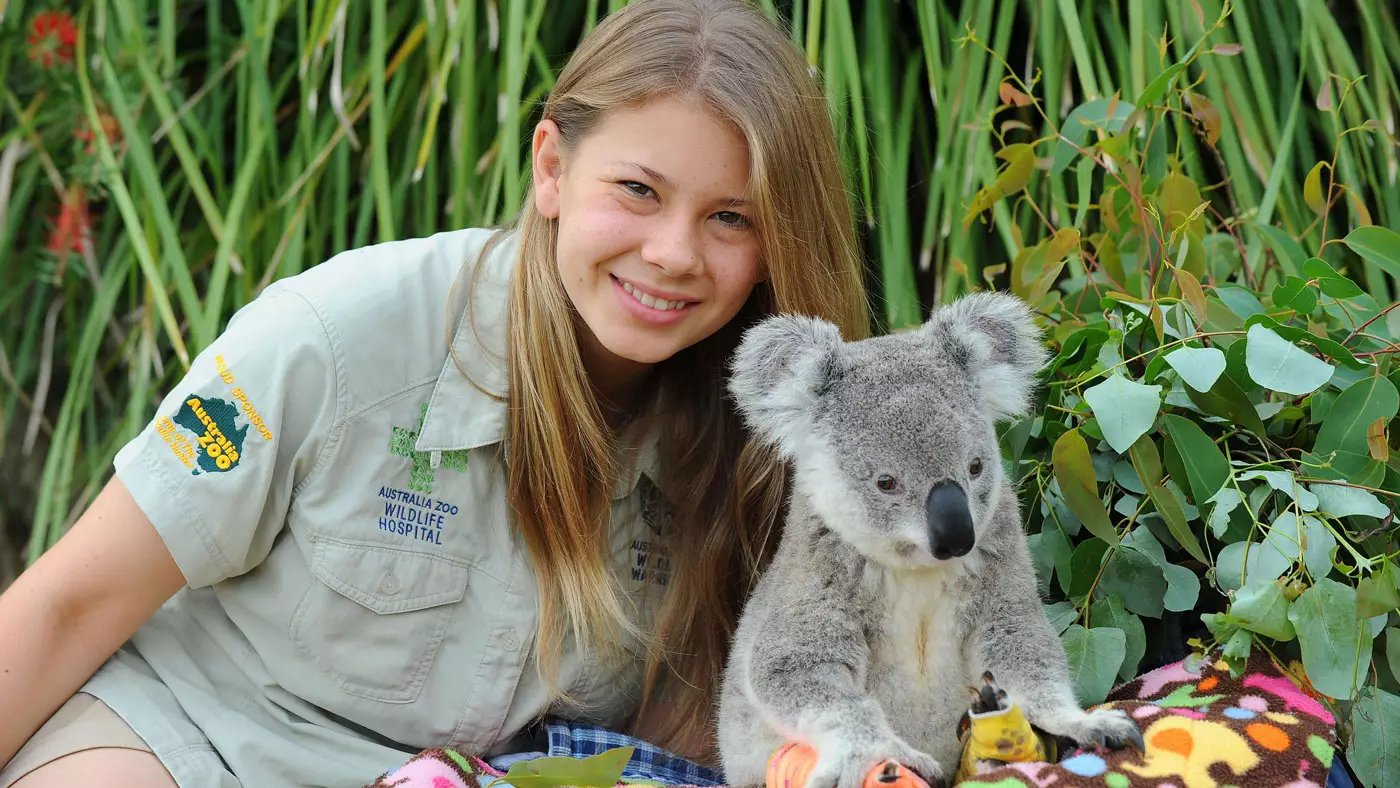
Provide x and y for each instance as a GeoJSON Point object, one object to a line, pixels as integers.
{"type": "Point", "coordinates": [70, 229]}
{"type": "Point", "coordinates": [110, 127]}
{"type": "Point", "coordinates": [52, 38]}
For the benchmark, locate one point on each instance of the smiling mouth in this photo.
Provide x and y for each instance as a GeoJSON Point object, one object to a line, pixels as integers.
{"type": "Point", "coordinates": [659, 304]}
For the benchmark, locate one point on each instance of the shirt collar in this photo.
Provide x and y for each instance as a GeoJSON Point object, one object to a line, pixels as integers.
{"type": "Point", "coordinates": [467, 409]}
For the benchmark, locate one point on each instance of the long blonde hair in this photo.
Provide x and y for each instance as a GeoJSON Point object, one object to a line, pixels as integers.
{"type": "Point", "coordinates": [727, 493]}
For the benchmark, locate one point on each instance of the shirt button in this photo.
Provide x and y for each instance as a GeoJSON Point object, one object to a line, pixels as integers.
{"type": "Point", "coordinates": [509, 641]}
{"type": "Point", "coordinates": [390, 585]}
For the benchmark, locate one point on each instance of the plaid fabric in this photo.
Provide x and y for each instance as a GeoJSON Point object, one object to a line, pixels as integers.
{"type": "Point", "coordinates": [649, 762]}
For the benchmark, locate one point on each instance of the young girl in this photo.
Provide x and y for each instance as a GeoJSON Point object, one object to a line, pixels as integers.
{"type": "Point", "coordinates": [431, 491]}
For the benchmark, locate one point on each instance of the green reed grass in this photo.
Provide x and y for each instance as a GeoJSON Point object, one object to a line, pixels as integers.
{"type": "Point", "coordinates": [258, 138]}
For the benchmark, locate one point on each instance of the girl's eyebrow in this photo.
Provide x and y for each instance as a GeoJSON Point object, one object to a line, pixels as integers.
{"type": "Point", "coordinates": [735, 202]}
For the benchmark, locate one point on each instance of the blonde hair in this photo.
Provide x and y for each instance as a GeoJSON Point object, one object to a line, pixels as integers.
{"type": "Point", "coordinates": [727, 493]}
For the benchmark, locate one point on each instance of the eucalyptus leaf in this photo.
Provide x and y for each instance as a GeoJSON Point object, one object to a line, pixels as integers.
{"type": "Point", "coordinates": [1078, 484]}
{"type": "Point", "coordinates": [1060, 615]}
{"type": "Point", "coordinates": [1342, 500]}
{"type": "Point", "coordinates": [1374, 753]}
{"type": "Point", "coordinates": [1376, 593]}
{"type": "Point", "coordinates": [1125, 409]}
{"type": "Point", "coordinates": [1107, 114]}
{"type": "Point", "coordinates": [1286, 535]}
{"type": "Point", "coordinates": [1332, 283]}
{"type": "Point", "coordinates": [1377, 245]}
{"type": "Point", "coordinates": [1344, 429]}
{"type": "Point", "coordinates": [1137, 579]}
{"type": "Point", "coordinates": [1244, 561]}
{"type": "Point", "coordinates": [1183, 587]}
{"type": "Point", "coordinates": [1277, 364]}
{"type": "Point", "coordinates": [598, 771]}
{"type": "Point", "coordinates": [1336, 645]}
{"type": "Point", "coordinates": [1225, 502]}
{"type": "Point", "coordinates": [1262, 607]}
{"type": "Point", "coordinates": [1286, 483]}
{"type": "Point", "coordinates": [1094, 655]}
{"type": "Point", "coordinates": [1318, 546]}
{"type": "Point", "coordinates": [1206, 471]}
{"type": "Point", "coordinates": [1110, 612]}
{"type": "Point", "coordinates": [1199, 367]}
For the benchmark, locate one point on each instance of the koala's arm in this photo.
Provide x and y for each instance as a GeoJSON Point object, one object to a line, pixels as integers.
{"type": "Point", "coordinates": [1011, 637]}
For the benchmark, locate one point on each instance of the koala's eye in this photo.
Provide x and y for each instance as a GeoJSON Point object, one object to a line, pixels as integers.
{"type": "Point", "coordinates": [975, 468]}
{"type": "Point", "coordinates": [886, 483]}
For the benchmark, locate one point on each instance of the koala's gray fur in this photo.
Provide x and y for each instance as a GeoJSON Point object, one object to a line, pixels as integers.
{"type": "Point", "coordinates": [856, 640]}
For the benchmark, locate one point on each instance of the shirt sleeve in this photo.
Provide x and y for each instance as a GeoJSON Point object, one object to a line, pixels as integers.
{"type": "Point", "coordinates": [216, 468]}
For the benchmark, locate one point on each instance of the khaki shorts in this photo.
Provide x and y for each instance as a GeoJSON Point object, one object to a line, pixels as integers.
{"type": "Point", "coordinates": [83, 723]}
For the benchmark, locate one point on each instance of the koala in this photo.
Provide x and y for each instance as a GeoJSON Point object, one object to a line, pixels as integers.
{"type": "Point", "coordinates": [902, 571]}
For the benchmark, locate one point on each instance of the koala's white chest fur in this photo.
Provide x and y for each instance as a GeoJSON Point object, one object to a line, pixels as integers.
{"type": "Point", "coordinates": [919, 666]}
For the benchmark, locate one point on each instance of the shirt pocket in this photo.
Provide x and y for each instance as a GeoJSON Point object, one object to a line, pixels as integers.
{"type": "Point", "coordinates": [375, 617]}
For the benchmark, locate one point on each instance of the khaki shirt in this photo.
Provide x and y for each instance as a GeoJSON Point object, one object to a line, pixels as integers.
{"type": "Point", "coordinates": [329, 478]}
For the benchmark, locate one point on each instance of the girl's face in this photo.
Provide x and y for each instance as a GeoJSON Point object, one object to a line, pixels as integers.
{"type": "Point", "coordinates": [656, 246]}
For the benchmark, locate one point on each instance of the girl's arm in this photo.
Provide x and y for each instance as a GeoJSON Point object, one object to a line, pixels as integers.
{"type": "Point", "coordinates": [75, 607]}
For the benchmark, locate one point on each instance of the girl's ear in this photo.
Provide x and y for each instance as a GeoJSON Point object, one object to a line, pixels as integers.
{"type": "Point", "coordinates": [547, 168]}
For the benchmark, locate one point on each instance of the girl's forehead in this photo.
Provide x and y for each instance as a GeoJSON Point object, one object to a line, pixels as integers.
{"type": "Point", "coordinates": [682, 143]}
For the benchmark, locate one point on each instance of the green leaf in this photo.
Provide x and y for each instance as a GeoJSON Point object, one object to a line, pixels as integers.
{"type": "Point", "coordinates": [1075, 472]}
{"type": "Point", "coordinates": [1336, 645]}
{"type": "Point", "coordinates": [1207, 471]}
{"type": "Point", "coordinates": [1318, 547]}
{"type": "Point", "coordinates": [1286, 535]}
{"type": "Point", "coordinates": [1125, 409]}
{"type": "Point", "coordinates": [1183, 587]}
{"type": "Point", "coordinates": [1335, 350]}
{"type": "Point", "coordinates": [1332, 283]}
{"type": "Point", "coordinates": [1199, 367]}
{"type": "Point", "coordinates": [1095, 655]}
{"type": "Point", "coordinates": [1110, 612]}
{"type": "Point", "coordinates": [1107, 114]}
{"type": "Point", "coordinates": [1295, 294]}
{"type": "Point", "coordinates": [603, 770]}
{"type": "Point", "coordinates": [1341, 500]}
{"type": "Point", "coordinates": [1377, 593]}
{"type": "Point", "coordinates": [1344, 429]}
{"type": "Point", "coordinates": [1158, 87]}
{"type": "Point", "coordinates": [1060, 615]}
{"type": "Point", "coordinates": [1286, 483]}
{"type": "Point", "coordinates": [1374, 753]}
{"type": "Point", "coordinates": [1312, 188]}
{"type": "Point", "coordinates": [1225, 502]}
{"type": "Point", "coordinates": [1377, 245]}
{"type": "Point", "coordinates": [1137, 579]}
{"type": "Point", "coordinates": [1245, 561]}
{"type": "Point", "coordinates": [1261, 607]}
{"type": "Point", "coordinates": [1146, 462]}
{"type": "Point", "coordinates": [1175, 518]}
{"type": "Point", "coordinates": [1275, 363]}
{"type": "Point", "coordinates": [1392, 651]}
{"type": "Point", "coordinates": [1085, 565]}
{"type": "Point", "coordinates": [1054, 543]}
{"type": "Point", "coordinates": [1228, 401]}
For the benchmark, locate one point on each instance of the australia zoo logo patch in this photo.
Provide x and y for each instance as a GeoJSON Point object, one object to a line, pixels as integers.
{"type": "Point", "coordinates": [217, 444]}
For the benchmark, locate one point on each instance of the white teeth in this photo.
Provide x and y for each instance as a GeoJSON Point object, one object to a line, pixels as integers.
{"type": "Point", "coordinates": [659, 304]}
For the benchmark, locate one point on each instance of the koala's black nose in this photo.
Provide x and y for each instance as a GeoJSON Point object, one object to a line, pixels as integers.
{"type": "Point", "coordinates": [950, 532]}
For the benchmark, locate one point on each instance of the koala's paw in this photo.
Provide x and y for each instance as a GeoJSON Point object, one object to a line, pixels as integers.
{"type": "Point", "coordinates": [846, 767]}
{"type": "Point", "coordinates": [1097, 729]}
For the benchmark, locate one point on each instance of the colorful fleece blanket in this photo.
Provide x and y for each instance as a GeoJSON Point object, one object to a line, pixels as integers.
{"type": "Point", "coordinates": [1203, 729]}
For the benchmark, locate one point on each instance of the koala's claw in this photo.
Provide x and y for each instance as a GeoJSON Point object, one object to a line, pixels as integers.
{"type": "Point", "coordinates": [1100, 729]}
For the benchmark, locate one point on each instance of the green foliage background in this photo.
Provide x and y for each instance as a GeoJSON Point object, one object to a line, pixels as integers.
{"type": "Point", "coordinates": [1201, 204]}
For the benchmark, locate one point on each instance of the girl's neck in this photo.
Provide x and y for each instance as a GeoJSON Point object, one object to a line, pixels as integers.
{"type": "Point", "coordinates": [619, 385]}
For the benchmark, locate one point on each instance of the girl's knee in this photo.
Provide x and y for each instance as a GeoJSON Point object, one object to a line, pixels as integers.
{"type": "Point", "coordinates": [115, 767]}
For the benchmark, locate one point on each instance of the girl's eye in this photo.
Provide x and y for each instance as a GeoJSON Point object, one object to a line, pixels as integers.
{"type": "Point", "coordinates": [733, 219]}
{"type": "Point", "coordinates": [636, 188]}
{"type": "Point", "coordinates": [975, 468]}
{"type": "Point", "coordinates": [886, 483]}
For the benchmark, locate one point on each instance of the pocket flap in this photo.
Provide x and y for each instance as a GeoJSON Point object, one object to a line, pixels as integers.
{"type": "Point", "coordinates": [386, 580]}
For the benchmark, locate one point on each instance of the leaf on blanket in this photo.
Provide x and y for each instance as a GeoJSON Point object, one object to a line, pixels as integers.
{"type": "Point", "coordinates": [1094, 658]}
{"type": "Point", "coordinates": [603, 770]}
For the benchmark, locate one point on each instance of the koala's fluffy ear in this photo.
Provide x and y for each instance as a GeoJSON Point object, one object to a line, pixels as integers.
{"type": "Point", "coordinates": [779, 368]}
{"type": "Point", "coordinates": [993, 336]}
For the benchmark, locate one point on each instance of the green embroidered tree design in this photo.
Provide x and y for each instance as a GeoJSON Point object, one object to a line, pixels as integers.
{"type": "Point", "coordinates": [422, 475]}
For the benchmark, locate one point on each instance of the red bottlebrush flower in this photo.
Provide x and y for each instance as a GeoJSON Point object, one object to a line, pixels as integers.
{"type": "Point", "coordinates": [110, 127]}
{"type": "Point", "coordinates": [71, 227]}
{"type": "Point", "coordinates": [52, 38]}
